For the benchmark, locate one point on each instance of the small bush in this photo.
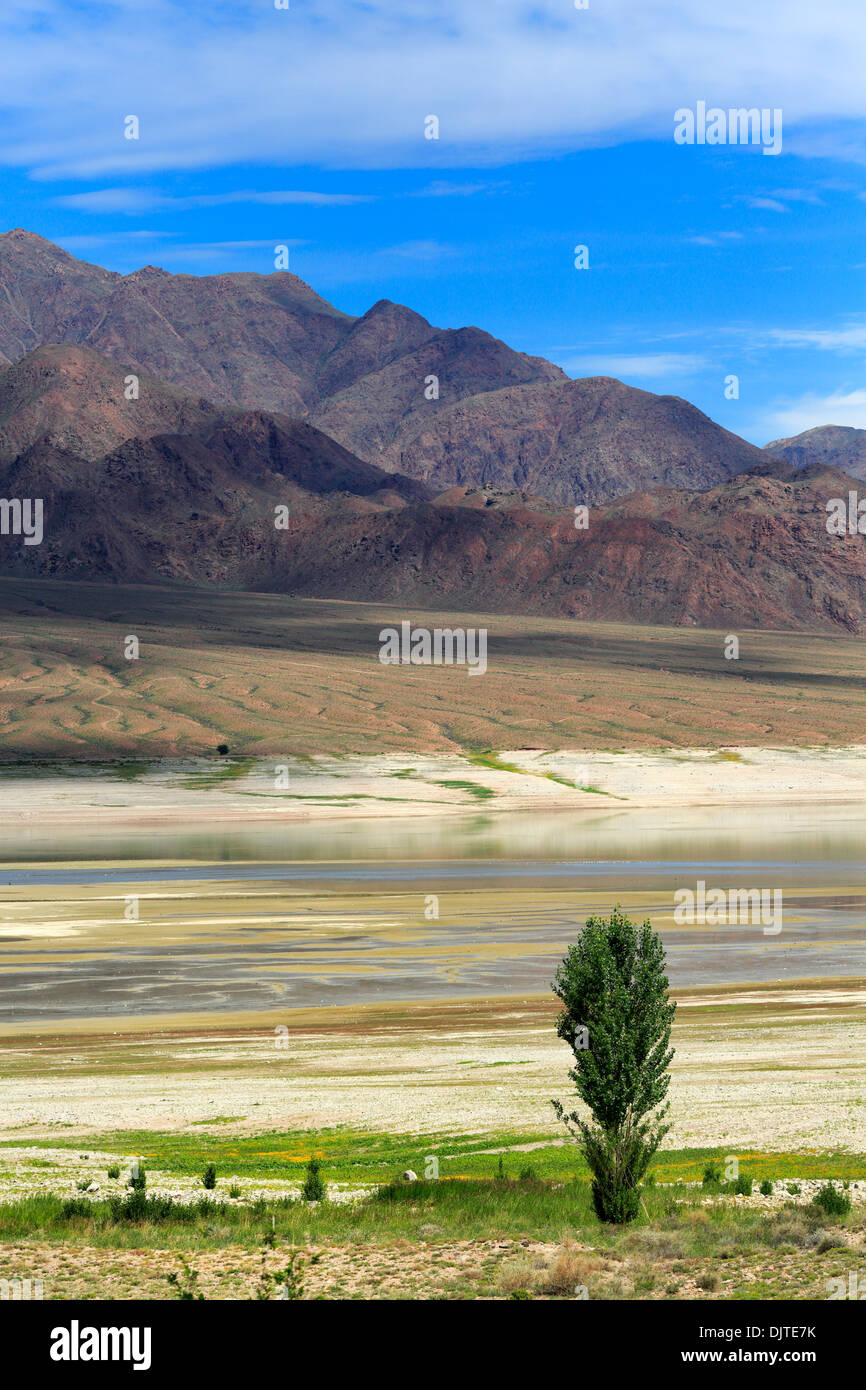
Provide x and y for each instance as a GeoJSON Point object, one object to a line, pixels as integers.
{"type": "Point", "coordinates": [566, 1271]}
{"type": "Point", "coordinates": [138, 1181]}
{"type": "Point", "coordinates": [794, 1189]}
{"type": "Point", "coordinates": [314, 1189]}
{"type": "Point", "coordinates": [743, 1186]}
{"type": "Point", "coordinates": [515, 1277]}
{"type": "Point", "coordinates": [208, 1179]}
{"type": "Point", "coordinates": [709, 1282]}
{"type": "Point", "coordinates": [528, 1175]}
{"type": "Point", "coordinates": [234, 1190]}
{"type": "Point", "coordinates": [83, 1184]}
{"type": "Point", "coordinates": [831, 1201]}
{"type": "Point", "coordinates": [75, 1206]}
{"type": "Point", "coordinates": [114, 1171]}
{"type": "Point", "coordinates": [766, 1188]}
{"type": "Point", "coordinates": [829, 1241]}
{"type": "Point", "coordinates": [185, 1284]}
{"type": "Point", "coordinates": [788, 1230]}
{"type": "Point", "coordinates": [712, 1174]}
{"type": "Point", "coordinates": [222, 749]}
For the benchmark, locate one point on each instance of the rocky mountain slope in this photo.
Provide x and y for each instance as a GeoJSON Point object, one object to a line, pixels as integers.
{"type": "Point", "coordinates": [494, 417]}
{"type": "Point", "coordinates": [840, 446]}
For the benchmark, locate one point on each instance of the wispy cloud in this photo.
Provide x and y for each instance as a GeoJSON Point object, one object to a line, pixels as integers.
{"type": "Point", "coordinates": [135, 201]}
{"type": "Point", "coordinates": [715, 238]}
{"type": "Point", "coordinates": [793, 417]}
{"type": "Point", "coordinates": [849, 337]}
{"type": "Point", "coordinates": [647, 366]}
{"type": "Point", "coordinates": [352, 85]}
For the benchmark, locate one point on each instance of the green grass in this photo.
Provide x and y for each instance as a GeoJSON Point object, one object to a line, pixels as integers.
{"type": "Point", "coordinates": [488, 758]}
{"type": "Point", "coordinates": [361, 1157]}
{"type": "Point", "coordinates": [672, 1223]}
{"type": "Point", "coordinates": [480, 793]}
{"type": "Point", "coordinates": [226, 770]}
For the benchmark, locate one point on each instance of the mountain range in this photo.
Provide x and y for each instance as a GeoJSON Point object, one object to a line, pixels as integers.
{"type": "Point", "coordinates": [167, 420]}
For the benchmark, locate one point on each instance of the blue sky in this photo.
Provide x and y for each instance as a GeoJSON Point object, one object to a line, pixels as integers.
{"type": "Point", "coordinates": [305, 126]}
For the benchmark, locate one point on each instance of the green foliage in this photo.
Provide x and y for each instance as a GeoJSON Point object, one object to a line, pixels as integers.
{"type": "Point", "coordinates": [287, 1282]}
{"type": "Point", "coordinates": [742, 1185]}
{"type": "Point", "coordinates": [832, 1201]}
{"type": "Point", "coordinates": [185, 1284]}
{"type": "Point", "coordinates": [314, 1188]}
{"type": "Point", "coordinates": [794, 1189]}
{"type": "Point", "coordinates": [138, 1181]}
{"type": "Point", "coordinates": [234, 1190]}
{"type": "Point", "coordinates": [75, 1206]}
{"type": "Point", "coordinates": [114, 1170]}
{"type": "Point", "coordinates": [712, 1174]}
{"type": "Point", "coordinates": [766, 1188]}
{"type": "Point", "coordinates": [616, 1018]}
{"type": "Point", "coordinates": [208, 1179]}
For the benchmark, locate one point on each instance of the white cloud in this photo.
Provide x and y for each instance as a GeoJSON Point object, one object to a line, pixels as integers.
{"type": "Point", "coordinates": [850, 337]}
{"type": "Point", "coordinates": [766, 204]}
{"type": "Point", "coordinates": [352, 84]}
{"type": "Point", "coordinates": [646, 365]}
{"type": "Point", "coordinates": [138, 200]}
{"type": "Point", "coordinates": [842, 408]}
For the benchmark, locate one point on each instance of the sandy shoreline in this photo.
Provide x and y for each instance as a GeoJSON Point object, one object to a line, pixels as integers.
{"type": "Point", "coordinates": [263, 791]}
{"type": "Point", "coordinates": [770, 1068]}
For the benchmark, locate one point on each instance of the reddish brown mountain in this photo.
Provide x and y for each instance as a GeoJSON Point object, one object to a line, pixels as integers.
{"type": "Point", "coordinates": [839, 446]}
{"type": "Point", "coordinates": [197, 505]}
{"type": "Point", "coordinates": [576, 442]}
{"type": "Point", "coordinates": [268, 342]}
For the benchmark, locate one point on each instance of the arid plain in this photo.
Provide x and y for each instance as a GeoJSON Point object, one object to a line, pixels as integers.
{"type": "Point", "coordinates": [337, 936]}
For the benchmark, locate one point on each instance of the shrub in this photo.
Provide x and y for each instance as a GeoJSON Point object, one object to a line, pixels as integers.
{"type": "Point", "coordinates": [83, 1184]}
{"type": "Point", "coordinates": [185, 1283]}
{"type": "Point", "coordinates": [528, 1175]}
{"type": "Point", "coordinates": [616, 1018]}
{"type": "Point", "coordinates": [222, 749]}
{"type": "Point", "coordinates": [566, 1271]}
{"type": "Point", "coordinates": [742, 1186]}
{"type": "Point", "coordinates": [75, 1206]}
{"type": "Point", "coordinates": [829, 1241]}
{"type": "Point", "coordinates": [712, 1174]}
{"type": "Point", "coordinates": [314, 1189]}
{"type": "Point", "coordinates": [794, 1189]}
{"type": "Point", "coordinates": [831, 1201]}
{"type": "Point", "coordinates": [138, 1181]}
{"type": "Point", "coordinates": [766, 1188]}
{"type": "Point", "coordinates": [114, 1171]}
{"type": "Point", "coordinates": [234, 1190]}
{"type": "Point", "coordinates": [208, 1179]}
{"type": "Point", "coordinates": [709, 1282]}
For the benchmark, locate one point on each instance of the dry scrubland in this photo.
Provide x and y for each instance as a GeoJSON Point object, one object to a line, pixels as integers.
{"type": "Point", "coordinates": [269, 674]}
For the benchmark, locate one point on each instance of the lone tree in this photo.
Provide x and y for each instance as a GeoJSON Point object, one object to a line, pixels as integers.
{"type": "Point", "coordinates": [616, 1018]}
